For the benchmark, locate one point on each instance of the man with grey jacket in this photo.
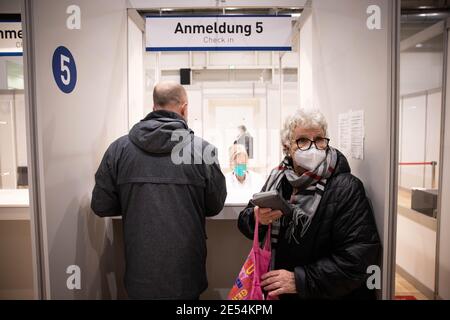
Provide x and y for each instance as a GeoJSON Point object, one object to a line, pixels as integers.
{"type": "Point", "coordinates": [163, 181]}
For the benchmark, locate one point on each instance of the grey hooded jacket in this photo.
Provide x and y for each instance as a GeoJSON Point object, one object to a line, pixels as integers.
{"type": "Point", "coordinates": [163, 188]}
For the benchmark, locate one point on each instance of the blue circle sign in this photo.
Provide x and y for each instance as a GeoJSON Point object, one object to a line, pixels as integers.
{"type": "Point", "coordinates": [64, 69]}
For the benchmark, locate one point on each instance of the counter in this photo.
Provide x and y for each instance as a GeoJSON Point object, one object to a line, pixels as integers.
{"type": "Point", "coordinates": [14, 204]}
{"type": "Point", "coordinates": [16, 262]}
{"type": "Point", "coordinates": [229, 212]}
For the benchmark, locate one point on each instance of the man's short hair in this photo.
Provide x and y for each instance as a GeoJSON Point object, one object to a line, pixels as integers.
{"type": "Point", "coordinates": [168, 94]}
{"type": "Point", "coordinates": [243, 128]}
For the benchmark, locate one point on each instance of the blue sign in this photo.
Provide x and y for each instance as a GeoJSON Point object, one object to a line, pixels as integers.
{"type": "Point", "coordinates": [64, 69]}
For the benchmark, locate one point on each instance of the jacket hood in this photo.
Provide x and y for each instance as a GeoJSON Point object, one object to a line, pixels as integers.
{"type": "Point", "coordinates": [154, 133]}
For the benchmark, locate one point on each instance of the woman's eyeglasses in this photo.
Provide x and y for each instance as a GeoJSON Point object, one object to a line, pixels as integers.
{"type": "Point", "coordinates": [305, 143]}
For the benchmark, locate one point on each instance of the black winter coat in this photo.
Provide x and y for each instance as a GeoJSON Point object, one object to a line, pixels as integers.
{"type": "Point", "coordinates": [163, 206]}
{"type": "Point", "coordinates": [331, 260]}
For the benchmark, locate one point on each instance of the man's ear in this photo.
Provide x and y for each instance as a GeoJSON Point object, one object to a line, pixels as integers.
{"type": "Point", "coordinates": [184, 111]}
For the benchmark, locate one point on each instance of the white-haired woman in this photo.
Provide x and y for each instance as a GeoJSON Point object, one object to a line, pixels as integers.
{"type": "Point", "coordinates": [323, 249]}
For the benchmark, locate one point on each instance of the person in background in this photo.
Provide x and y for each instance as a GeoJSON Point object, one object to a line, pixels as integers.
{"type": "Point", "coordinates": [163, 202]}
{"type": "Point", "coordinates": [323, 249]}
{"type": "Point", "coordinates": [244, 138]}
{"type": "Point", "coordinates": [242, 183]}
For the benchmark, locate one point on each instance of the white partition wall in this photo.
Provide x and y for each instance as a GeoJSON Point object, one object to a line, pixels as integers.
{"type": "Point", "coordinates": [420, 129]}
{"type": "Point", "coordinates": [413, 141]}
{"type": "Point", "coordinates": [135, 70]}
{"type": "Point", "coordinates": [73, 131]}
{"type": "Point", "coordinates": [350, 69]}
{"type": "Point", "coordinates": [434, 107]}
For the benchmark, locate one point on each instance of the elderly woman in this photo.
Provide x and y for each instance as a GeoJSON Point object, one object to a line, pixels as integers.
{"type": "Point", "coordinates": [323, 249]}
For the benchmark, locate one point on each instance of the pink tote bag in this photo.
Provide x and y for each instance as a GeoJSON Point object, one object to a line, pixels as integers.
{"type": "Point", "coordinates": [248, 284]}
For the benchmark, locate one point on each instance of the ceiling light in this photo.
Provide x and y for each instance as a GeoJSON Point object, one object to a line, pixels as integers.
{"type": "Point", "coordinates": [419, 45]}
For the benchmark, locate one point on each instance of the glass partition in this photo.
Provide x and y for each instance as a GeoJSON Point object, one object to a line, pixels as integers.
{"type": "Point", "coordinates": [235, 98]}
{"type": "Point", "coordinates": [16, 256]}
{"type": "Point", "coordinates": [420, 110]}
{"type": "Point", "coordinates": [13, 156]}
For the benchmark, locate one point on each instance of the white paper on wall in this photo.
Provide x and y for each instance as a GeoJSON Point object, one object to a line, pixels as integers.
{"type": "Point", "coordinates": [357, 134]}
{"type": "Point", "coordinates": [351, 134]}
{"type": "Point", "coordinates": [344, 142]}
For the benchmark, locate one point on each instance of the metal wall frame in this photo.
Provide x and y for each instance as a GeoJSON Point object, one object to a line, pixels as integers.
{"type": "Point", "coordinates": [441, 158]}
{"type": "Point", "coordinates": [40, 278]}
{"type": "Point", "coordinates": [388, 288]}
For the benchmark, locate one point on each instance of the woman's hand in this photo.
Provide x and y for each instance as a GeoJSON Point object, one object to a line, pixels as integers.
{"type": "Point", "coordinates": [278, 282]}
{"type": "Point", "coordinates": [266, 215]}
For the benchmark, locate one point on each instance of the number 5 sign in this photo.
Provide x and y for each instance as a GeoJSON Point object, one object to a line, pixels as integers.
{"type": "Point", "coordinates": [64, 69]}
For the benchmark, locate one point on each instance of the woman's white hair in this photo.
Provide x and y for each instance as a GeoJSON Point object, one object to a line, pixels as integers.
{"type": "Point", "coordinates": [305, 118]}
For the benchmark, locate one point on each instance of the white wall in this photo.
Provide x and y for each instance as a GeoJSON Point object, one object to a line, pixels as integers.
{"type": "Point", "coordinates": [3, 74]}
{"type": "Point", "coordinates": [420, 138]}
{"type": "Point", "coordinates": [21, 139]}
{"type": "Point", "coordinates": [420, 71]}
{"type": "Point", "coordinates": [420, 80]}
{"type": "Point", "coordinates": [73, 132]}
{"type": "Point", "coordinates": [135, 74]}
{"type": "Point", "coordinates": [350, 71]}
{"type": "Point", "coordinates": [13, 136]}
{"type": "Point", "coordinates": [413, 141]}
{"type": "Point", "coordinates": [306, 63]}
{"type": "Point", "coordinates": [433, 134]}
{"type": "Point", "coordinates": [8, 169]}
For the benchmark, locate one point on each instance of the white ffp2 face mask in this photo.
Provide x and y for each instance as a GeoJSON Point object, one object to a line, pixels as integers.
{"type": "Point", "coordinates": [309, 159]}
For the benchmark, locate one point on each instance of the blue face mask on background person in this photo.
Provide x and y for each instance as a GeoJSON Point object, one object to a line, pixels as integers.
{"type": "Point", "coordinates": [240, 169]}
